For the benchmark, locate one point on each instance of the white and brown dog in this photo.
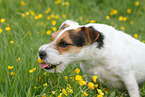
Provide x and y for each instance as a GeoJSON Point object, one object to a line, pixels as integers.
{"type": "Point", "coordinates": [116, 57]}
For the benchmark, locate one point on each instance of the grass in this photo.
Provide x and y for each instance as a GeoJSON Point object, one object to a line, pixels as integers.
{"type": "Point", "coordinates": [28, 33]}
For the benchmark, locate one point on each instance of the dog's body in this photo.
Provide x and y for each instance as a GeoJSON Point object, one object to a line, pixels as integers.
{"type": "Point", "coordinates": [116, 57]}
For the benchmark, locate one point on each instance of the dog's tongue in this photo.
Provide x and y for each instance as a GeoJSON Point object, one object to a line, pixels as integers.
{"type": "Point", "coordinates": [43, 65]}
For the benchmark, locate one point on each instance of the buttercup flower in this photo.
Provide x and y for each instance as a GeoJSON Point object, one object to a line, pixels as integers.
{"type": "Point", "coordinates": [1, 30]}
{"type": "Point", "coordinates": [27, 13]}
{"type": "Point", "coordinates": [53, 22]}
{"type": "Point", "coordinates": [77, 70]}
{"type": "Point", "coordinates": [128, 11]}
{"type": "Point", "coordinates": [137, 3]}
{"type": "Point", "coordinates": [45, 84]}
{"type": "Point", "coordinates": [7, 28]}
{"type": "Point", "coordinates": [36, 17]}
{"type": "Point", "coordinates": [85, 93]}
{"type": "Point", "coordinates": [12, 73]}
{"type": "Point", "coordinates": [10, 67]}
{"type": "Point", "coordinates": [94, 78]}
{"type": "Point", "coordinates": [11, 42]}
{"type": "Point", "coordinates": [32, 70]}
{"type": "Point", "coordinates": [136, 36]}
{"type": "Point", "coordinates": [65, 77]}
{"type": "Point", "coordinates": [54, 29]}
{"type": "Point", "coordinates": [39, 60]}
{"type": "Point", "coordinates": [91, 85]}
{"type": "Point", "coordinates": [3, 20]}
{"type": "Point", "coordinates": [92, 21]}
{"type": "Point", "coordinates": [100, 92]}
{"type": "Point", "coordinates": [107, 17]}
{"type": "Point", "coordinates": [78, 77]}
{"type": "Point", "coordinates": [18, 59]}
{"type": "Point", "coordinates": [122, 28]}
{"type": "Point", "coordinates": [81, 82]}
{"type": "Point", "coordinates": [64, 92]}
{"type": "Point", "coordinates": [40, 16]}
{"type": "Point", "coordinates": [22, 3]}
{"type": "Point", "coordinates": [64, 16]}
{"type": "Point", "coordinates": [59, 95]}
{"type": "Point", "coordinates": [48, 32]}
{"type": "Point", "coordinates": [121, 18]}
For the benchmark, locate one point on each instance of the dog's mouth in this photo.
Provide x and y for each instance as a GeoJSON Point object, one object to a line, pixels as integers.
{"type": "Point", "coordinates": [47, 66]}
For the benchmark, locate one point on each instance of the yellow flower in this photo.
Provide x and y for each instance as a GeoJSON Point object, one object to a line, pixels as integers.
{"type": "Point", "coordinates": [95, 78]}
{"type": "Point", "coordinates": [47, 11]}
{"type": "Point", "coordinates": [10, 67]}
{"type": "Point", "coordinates": [48, 18]}
{"type": "Point", "coordinates": [54, 29]}
{"type": "Point", "coordinates": [125, 18]}
{"type": "Point", "coordinates": [77, 70]}
{"type": "Point", "coordinates": [111, 13]}
{"type": "Point", "coordinates": [53, 22]}
{"type": "Point", "coordinates": [7, 28]}
{"type": "Point", "coordinates": [59, 95]}
{"type": "Point", "coordinates": [100, 92]}
{"type": "Point", "coordinates": [32, 70]}
{"type": "Point", "coordinates": [64, 16]}
{"type": "Point", "coordinates": [107, 17]}
{"type": "Point", "coordinates": [64, 92]}
{"type": "Point", "coordinates": [48, 32]}
{"type": "Point", "coordinates": [39, 60]}
{"type": "Point", "coordinates": [115, 11]}
{"type": "Point", "coordinates": [34, 87]}
{"type": "Point", "coordinates": [36, 17]}
{"type": "Point", "coordinates": [85, 93]}
{"type": "Point", "coordinates": [32, 13]}
{"type": "Point", "coordinates": [53, 16]}
{"type": "Point", "coordinates": [78, 77]}
{"type": "Point", "coordinates": [56, 17]}
{"type": "Point", "coordinates": [122, 28]}
{"type": "Point", "coordinates": [57, 2]}
{"type": "Point", "coordinates": [3, 20]}
{"type": "Point", "coordinates": [121, 18]}
{"type": "Point", "coordinates": [91, 85]}
{"type": "Point", "coordinates": [1, 30]}
{"type": "Point", "coordinates": [22, 3]}
{"type": "Point", "coordinates": [38, 78]}
{"type": "Point", "coordinates": [65, 3]}
{"type": "Point", "coordinates": [92, 21]}
{"type": "Point", "coordinates": [137, 3]}
{"type": "Point", "coordinates": [99, 95]}
{"type": "Point", "coordinates": [65, 77]}
{"type": "Point", "coordinates": [18, 59]}
{"type": "Point", "coordinates": [143, 41]}
{"type": "Point", "coordinates": [81, 82]}
{"type": "Point", "coordinates": [27, 13]}
{"type": "Point", "coordinates": [96, 85]}
{"type": "Point", "coordinates": [11, 42]}
{"type": "Point", "coordinates": [40, 16]}
{"type": "Point", "coordinates": [44, 73]}
{"type": "Point", "coordinates": [128, 11]}
{"type": "Point", "coordinates": [12, 73]}
{"type": "Point", "coordinates": [136, 36]}
{"type": "Point", "coordinates": [45, 84]}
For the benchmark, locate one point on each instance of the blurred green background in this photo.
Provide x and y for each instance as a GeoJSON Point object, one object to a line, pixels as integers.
{"type": "Point", "coordinates": [26, 25]}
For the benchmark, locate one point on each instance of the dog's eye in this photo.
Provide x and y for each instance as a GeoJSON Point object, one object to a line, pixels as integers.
{"type": "Point", "coordinates": [64, 44]}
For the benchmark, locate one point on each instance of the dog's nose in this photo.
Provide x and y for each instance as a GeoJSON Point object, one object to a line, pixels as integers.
{"type": "Point", "coordinates": [42, 54]}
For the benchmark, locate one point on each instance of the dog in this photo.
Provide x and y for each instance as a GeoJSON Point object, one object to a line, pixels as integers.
{"type": "Point", "coordinates": [117, 58]}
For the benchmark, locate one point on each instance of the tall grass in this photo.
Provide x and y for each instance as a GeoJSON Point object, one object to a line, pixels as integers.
{"type": "Point", "coordinates": [29, 33]}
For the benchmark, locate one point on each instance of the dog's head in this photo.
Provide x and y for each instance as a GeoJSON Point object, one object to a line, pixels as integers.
{"type": "Point", "coordinates": [69, 44]}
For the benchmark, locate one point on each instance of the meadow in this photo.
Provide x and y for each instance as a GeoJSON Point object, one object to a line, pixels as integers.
{"type": "Point", "coordinates": [26, 25]}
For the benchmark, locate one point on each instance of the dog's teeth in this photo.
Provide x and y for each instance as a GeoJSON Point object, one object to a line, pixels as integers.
{"type": "Point", "coordinates": [50, 65]}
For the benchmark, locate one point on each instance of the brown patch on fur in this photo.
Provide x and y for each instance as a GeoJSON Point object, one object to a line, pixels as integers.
{"type": "Point", "coordinates": [72, 48]}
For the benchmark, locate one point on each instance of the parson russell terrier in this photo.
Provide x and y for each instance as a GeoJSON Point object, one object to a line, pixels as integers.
{"type": "Point", "coordinates": [117, 58]}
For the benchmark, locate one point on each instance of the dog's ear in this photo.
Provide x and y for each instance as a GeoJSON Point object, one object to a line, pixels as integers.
{"type": "Point", "coordinates": [91, 34]}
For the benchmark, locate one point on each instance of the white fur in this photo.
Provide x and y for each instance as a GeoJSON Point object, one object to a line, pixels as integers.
{"type": "Point", "coordinates": [119, 64]}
